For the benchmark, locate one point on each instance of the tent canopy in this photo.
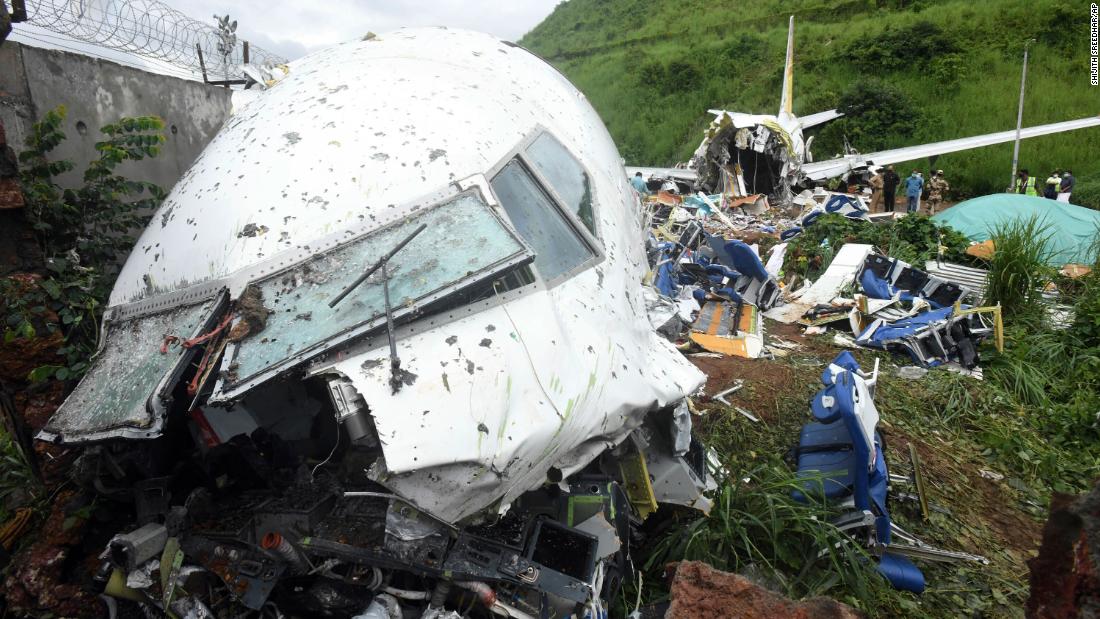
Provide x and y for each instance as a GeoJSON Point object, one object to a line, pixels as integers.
{"type": "Point", "coordinates": [1072, 229]}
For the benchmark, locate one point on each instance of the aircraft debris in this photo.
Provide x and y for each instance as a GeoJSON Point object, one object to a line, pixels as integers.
{"type": "Point", "coordinates": [438, 392]}
{"type": "Point", "coordinates": [841, 458]}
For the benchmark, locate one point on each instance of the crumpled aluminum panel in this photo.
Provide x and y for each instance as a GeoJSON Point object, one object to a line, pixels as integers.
{"type": "Point", "coordinates": [502, 396]}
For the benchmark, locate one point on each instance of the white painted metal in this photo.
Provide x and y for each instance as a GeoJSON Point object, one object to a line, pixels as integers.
{"type": "Point", "coordinates": [546, 376]}
{"type": "Point", "coordinates": [840, 273]}
{"type": "Point", "coordinates": [836, 167]}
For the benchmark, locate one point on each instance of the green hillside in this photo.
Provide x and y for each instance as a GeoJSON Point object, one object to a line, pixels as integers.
{"type": "Point", "coordinates": [921, 70]}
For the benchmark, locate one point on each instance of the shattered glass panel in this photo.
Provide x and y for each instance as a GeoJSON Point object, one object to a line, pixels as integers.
{"type": "Point", "coordinates": [114, 392]}
{"type": "Point", "coordinates": [566, 176]}
{"type": "Point", "coordinates": [558, 248]}
{"type": "Point", "coordinates": [464, 241]}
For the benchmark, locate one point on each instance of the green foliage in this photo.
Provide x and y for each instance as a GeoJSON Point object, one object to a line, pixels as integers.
{"type": "Point", "coordinates": [676, 76]}
{"type": "Point", "coordinates": [756, 526]}
{"type": "Point", "coordinates": [877, 115]}
{"type": "Point", "coordinates": [913, 239]}
{"type": "Point", "coordinates": [968, 87]}
{"type": "Point", "coordinates": [1018, 269]}
{"type": "Point", "coordinates": [18, 484]}
{"type": "Point", "coordinates": [1087, 193]}
{"type": "Point", "coordinates": [82, 234]}
{"type": "Point", "coordinates": [1086, 320]}
{"type": "Point", "coordinates": [912, 45]}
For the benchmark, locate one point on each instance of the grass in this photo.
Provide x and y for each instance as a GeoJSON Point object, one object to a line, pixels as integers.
{"type": "Point", "coordinates": [1018, 268]}
{"type": "Point", "coordinates": [992, 454]}
{"type": "Point", "coordinates": [730, 55]}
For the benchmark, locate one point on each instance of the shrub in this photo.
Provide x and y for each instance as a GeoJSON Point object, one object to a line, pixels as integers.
{"type": "Point", "coordinates": [893, 49]}
{"type": "Point", "coordinates": [82, 234]}
{"type": "Point", "coordinates": [755, 525]}
{"type": "Point", "coordinates": [877, 115]}
{"type": "Point", "coordinates": [1087, 193]}
{"type": "Point", "coordinates": [913, 239]}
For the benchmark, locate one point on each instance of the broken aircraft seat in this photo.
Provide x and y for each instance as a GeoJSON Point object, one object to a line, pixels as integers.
{"type": "Point", "coordinates": [848, 206]}
{"type": "Point", "coordinates": [841, 458]}
{"type": "Point", "coordinates": [883, 277]}
{"type": "Point", "coordinates": [755, 285]}
{"type": "Point", "coordinates": [930, 338]}
{"type": "Point", "coordinates": [710, 279]}
{"type": "Point", "coordinates": [664, 279]}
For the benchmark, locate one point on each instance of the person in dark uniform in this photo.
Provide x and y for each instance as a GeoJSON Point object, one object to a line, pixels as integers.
{"type": "Point", "coordinates": [890, 182]}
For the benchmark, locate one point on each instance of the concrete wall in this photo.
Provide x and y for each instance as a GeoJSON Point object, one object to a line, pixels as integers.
{"type": "Point", "coordinates": [98, 92]}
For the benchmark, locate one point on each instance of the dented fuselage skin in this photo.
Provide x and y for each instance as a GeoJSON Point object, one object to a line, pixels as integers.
{"type": "Point", "coordinates": [518, 319]}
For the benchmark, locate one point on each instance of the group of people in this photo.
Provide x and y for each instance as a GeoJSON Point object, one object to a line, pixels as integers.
{"type": "Point", "coordinates": [1058, 186]}
{"type": "Point", "coordinates": [884, 187]}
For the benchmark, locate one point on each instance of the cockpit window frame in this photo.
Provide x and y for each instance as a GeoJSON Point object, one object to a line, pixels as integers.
{"type": "Point", "coordinates": [592, 241]}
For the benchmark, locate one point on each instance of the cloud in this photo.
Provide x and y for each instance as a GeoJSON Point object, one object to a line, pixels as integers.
{"type": "Point", "coordinates": [294, 29]}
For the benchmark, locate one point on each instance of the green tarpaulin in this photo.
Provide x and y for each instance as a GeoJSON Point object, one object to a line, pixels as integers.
{"type": "Point", "coordinates": [1072, 229]}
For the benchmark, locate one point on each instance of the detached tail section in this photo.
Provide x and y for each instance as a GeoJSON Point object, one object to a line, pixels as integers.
{"type": "Point", "coordinates": [786, 99]}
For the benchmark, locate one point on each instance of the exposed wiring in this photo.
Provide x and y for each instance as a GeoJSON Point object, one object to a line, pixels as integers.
{"type": "Point", "coordinates": [335, 445]}
{"type": "Point", "coordinates": [405, 594]}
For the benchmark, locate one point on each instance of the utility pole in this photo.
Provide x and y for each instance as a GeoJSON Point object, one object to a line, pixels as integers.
{"type": "Point", "coordinates": [1019, 120]}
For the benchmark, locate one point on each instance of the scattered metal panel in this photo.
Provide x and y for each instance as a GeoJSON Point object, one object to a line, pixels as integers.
{"type": "Point", "coordinates": [465, 242]}
{"type": "Point", "coordinates": [124, 392]}
{"type": "Point", "coordinates": [841, 272]}
{"type": "Point", "coordinates": [974, 280]}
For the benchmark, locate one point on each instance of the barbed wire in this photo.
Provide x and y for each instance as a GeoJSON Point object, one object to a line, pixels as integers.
{"type": "Point", "coordinates": [151, 29]}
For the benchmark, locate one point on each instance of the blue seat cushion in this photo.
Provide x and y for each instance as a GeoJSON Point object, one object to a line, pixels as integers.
{"type": "Point", "coordinates": [824, 437]}
{"type": "Point", "coordinates": [720, 271]}
{"type": "Point", "coordinates": [745, 260]}
{"type": "Point", "coordinates": [828, 471]}
{"type": "Point", "coordinates": [901, 573]}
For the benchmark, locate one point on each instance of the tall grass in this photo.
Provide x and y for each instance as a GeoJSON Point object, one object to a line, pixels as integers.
{"type": "Point", "coordinates": [1018, 269]}
{"type": "Point", "coordinates": [755, 527]}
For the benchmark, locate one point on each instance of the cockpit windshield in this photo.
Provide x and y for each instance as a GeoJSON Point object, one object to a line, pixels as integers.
{"type": "Point", "coordinates": [464, 242]}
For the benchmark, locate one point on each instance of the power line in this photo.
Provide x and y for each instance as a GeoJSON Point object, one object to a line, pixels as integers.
{"type": "Point", "coordinates": [150, 29]}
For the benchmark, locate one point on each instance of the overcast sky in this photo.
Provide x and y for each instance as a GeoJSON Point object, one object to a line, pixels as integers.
{"type": "Point", "coordinates": [293, 29]}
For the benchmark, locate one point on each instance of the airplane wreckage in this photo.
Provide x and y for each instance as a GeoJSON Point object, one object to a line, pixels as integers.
{"type": "Point", "coordinates": [744, 154]}
{"type": "Point", "coordinates": [383, 351]}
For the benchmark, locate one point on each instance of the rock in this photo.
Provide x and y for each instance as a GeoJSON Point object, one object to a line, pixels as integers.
{"type": "Point", "coordinates": [699, 590]}
{"type": "Point", "coordinates": [1064, 577]}
{"type": "Point", "coordinates": [911, 372]}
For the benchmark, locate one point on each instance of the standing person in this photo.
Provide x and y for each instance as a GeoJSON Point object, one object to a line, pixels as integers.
{"type": "Point", "coordinates": [876, 183]}
{"type": "Point", "coordinates": [1050, 189]}
{"type": "Point", "coordinates": [1025, 184]}
{"type": "Point", "coordinates": [639, 184]}
{"type": "Point", "coordinates": [1065, 188]}
{"type": "Point", "coordinates": [937, 186]}
{"type": "Point", "coordinates": [890, 182]}
{"type": "Point", "coordinates": [914, 185]}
